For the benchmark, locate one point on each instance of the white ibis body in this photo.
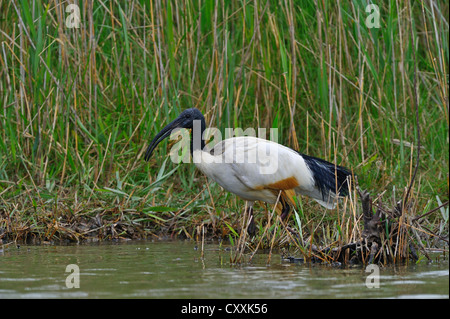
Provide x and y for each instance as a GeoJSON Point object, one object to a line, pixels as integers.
{"type": "Point", "coordinates": [258, 169]}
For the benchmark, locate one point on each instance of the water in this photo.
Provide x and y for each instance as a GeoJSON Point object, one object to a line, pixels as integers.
{"type": "Point", "coordinates": [176, 270]}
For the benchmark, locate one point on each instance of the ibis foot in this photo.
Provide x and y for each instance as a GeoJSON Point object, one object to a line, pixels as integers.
{"type": "Point", "coordinates": [251, 229]}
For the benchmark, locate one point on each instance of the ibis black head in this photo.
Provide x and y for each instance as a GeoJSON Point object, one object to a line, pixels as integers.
{"type": "Point", "coordinates": [184, 120]}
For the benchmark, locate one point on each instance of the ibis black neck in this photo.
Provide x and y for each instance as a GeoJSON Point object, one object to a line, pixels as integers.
{"type": "Point", "coordinates": [198, 128]}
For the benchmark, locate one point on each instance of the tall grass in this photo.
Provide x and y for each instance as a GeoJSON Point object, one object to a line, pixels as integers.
{"type": "Point", "coordinates": [79, 105]}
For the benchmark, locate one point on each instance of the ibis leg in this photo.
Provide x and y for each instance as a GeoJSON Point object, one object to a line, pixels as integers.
{"type": "Point", "coordinates": [285, 211]}
{"type": "Point", "coordinates": [251, 230]}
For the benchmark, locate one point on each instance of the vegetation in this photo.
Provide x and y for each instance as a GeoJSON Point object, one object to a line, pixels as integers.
{"type": "Point", "coordinates": [79, 106]}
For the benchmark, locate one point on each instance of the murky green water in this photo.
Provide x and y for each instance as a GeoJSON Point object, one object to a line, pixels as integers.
{"type": "Point", "coordinates": [176, 270]}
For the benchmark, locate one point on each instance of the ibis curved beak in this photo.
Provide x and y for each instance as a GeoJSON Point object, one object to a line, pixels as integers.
{"type": "Point", "coordinates": [161, 136]}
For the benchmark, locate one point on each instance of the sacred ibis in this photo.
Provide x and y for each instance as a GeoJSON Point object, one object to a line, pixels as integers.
{"type": "Point", "coordinates": [259, 169]}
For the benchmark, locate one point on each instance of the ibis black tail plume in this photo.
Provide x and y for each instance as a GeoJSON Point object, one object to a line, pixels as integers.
{"type": "Point", "coordinates": [328, 176]}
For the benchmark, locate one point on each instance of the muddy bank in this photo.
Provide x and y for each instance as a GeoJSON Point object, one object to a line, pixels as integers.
{"type": "Point", "coordinates": [379, 235]}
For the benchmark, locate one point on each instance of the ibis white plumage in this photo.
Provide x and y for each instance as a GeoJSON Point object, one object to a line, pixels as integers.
{"type": "Point", "coordinates": [258, 169]}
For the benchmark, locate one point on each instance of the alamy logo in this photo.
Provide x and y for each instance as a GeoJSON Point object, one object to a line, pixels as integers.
{"type": "Point", "coordinates": [237, 151]}
{"type": "Point", "coordinates": [73, 19]}
{"type": "Point", "coordinates": [373, 279]}
{"type": "Point", "coordinates": [373, 19]}
{"type": "Point", "coordinates": [73, 279]}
